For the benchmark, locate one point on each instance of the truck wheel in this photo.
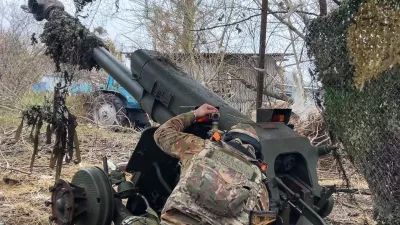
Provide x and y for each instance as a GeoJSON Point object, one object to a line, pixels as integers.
{"type": "Point", "coordinates": [109, 110]}
{"type": "Point", "coordinates": [327, 208]}
{"type": "Point", "coordinates": [142, 121]}
{"type": "Point", "coordinates": [139, 119]}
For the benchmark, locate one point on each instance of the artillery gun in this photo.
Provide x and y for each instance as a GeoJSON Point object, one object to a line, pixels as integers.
{"type": "Point", "coordinates": [94, 195]}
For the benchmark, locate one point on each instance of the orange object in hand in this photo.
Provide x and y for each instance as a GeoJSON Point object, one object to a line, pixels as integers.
{"type": "Point", "coordinates": [216, 136]}
{"type": "Point", "coordinates": [263, 166]}
{"type": "Point", "coordinates": [203, 119]}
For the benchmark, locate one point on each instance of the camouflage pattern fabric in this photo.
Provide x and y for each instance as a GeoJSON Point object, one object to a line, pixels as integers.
{"type": "Point", "coordinates": [245, 129]}
{"type": "Point", "coordinates": [138, 220]}
{"type": "Point", "coordinates": [150, 219]}
{"type": "Point", "coordinates": [170, 138]}
{"type": "Point", "coordinates": [218, 184]}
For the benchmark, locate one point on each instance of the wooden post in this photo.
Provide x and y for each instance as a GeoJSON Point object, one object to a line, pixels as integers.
{"type": "Point", "coordinates": [263, 34]}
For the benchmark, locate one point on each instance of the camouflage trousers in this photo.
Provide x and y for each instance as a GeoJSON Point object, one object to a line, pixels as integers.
{"type": "Point", "coordinates": [166, 223]}
{"type": "Point", "coordinates": [137, 220]}
{"type": "Point", "coordinates": [150, 219]}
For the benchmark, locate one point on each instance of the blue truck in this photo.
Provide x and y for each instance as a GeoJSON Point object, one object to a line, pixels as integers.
{"type": "Point", "coordinates": [112, 104]}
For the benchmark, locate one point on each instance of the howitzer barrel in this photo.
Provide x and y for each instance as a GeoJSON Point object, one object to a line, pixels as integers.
{"type": "Point", "coordinates": [175, 89]}
{"type": "Point", "coordinates": [161, 88]}
{"type": "Point", "coordinates": [124, 77]}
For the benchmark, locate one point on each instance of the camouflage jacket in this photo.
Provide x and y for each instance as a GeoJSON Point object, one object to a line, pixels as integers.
{"type": "Point", "coordinates": [220, 195]}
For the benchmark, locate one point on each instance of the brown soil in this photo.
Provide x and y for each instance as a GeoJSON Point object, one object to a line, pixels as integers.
{"type": "Point", "coordinates": [349, 209]}
{"type": "Point", "coordinates": [22, 194]}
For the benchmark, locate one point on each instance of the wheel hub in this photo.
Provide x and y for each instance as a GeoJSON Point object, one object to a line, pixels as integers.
{"type": "Point", "coordinates": [66, 202]}
{"type": "Point", "coordinates": [106, 114]}
{"type": "Point", "coordinates": [87, 200]}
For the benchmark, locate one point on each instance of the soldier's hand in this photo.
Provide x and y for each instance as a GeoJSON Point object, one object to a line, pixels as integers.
{"type": "Point", "coordinates": [204, 110]}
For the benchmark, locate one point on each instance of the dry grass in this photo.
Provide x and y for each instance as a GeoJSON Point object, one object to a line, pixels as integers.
{"type": "Point", "coordinates": [349, 209]}
{"type": "Point", "coordinates": [22, 195]}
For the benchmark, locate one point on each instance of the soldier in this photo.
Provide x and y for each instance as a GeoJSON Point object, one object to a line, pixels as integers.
{"type": "Point", "coordinates": [220, 182]}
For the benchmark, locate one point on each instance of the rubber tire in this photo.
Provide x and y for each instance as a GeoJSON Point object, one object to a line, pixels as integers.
{"type": "Point", "coordinates": [327, 208]}
{"type": "Point", "coordinates": [116, 102]}
{"type": "Point", "coordinates": [139, 119]}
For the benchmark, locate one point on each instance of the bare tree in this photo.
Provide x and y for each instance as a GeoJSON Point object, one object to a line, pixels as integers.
{"type": "Point", "coordinates": [193, 28]}
{"type": "Point", "coordinates": [22, 60]}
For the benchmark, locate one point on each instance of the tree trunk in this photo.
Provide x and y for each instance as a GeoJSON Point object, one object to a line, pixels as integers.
{"type": "Point", "coordinates": [261, 65]}
{"type": "Point", "coordinates": [188, 10]}
{"type": "Point", "coordinates": [323, 8]}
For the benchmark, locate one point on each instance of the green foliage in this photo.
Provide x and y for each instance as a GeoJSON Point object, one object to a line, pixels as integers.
{"type": "Point", "coordinates": [365, 120]}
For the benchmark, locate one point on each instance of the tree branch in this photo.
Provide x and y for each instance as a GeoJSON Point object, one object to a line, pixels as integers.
{"type": "Point", "coordinates": [290, 26]}
{"type": "Point", "coordinates": [294, 64]}
{"type": "Point", "coordinates": [265, 91]}
{"type": "Point", "coordinates": [361, 191]}
{"type": "Point", "coordinates": [228, 24]}
{"type": "Point", "coordinates": [296, 11]}
{"type": "Point", "coordinates": [337, 2]}
{"type": "Point", "coordinates": [14, 169]}
{"type": "Point", "coordinates": [248, 18]}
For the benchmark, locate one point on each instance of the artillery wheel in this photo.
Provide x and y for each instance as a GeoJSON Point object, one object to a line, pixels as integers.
{"type": "Point", "coordinates": [87, 200]}
{"type": "Point", "coordinates": [99, 195]}
{"type": "Point", "coordinates": [109, 110]}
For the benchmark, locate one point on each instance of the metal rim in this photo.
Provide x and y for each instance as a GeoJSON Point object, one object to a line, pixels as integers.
{"type": "Point", "coordinates": [106, 114]}
{"type": "Point", "coordinates": [62, 203]}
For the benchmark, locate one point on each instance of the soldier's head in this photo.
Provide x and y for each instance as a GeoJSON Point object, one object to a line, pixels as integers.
{"type": "Point", "coordinates": [244, 137]}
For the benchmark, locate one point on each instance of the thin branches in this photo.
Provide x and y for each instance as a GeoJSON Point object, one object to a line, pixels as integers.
{"type": "Point", "coordinates": [265, 91]}
{"type": "Point", "coordinates": [274, 13]}
{"type": "Point", "coordinates": [14, 169]}
{"type": "Point", "coordinates": [228, 24]}
{"type": "Point", "coordinates": [290, 26]}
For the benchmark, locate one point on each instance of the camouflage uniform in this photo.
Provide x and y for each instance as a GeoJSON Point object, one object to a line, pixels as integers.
{"type": "Point", "coordinates": [218, 185]}
{"type": "Point", "coordinates": [150, 219]}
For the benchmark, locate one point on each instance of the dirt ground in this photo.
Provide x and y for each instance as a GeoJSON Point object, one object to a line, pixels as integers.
{"type": "Point", "coordinates": [350, 208]}
{"type": "Point", "coordinates": [23, 193]}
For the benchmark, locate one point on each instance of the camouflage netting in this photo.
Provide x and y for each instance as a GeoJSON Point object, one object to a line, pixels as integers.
{"type": "Point", "coordinates": [356, 50]}
{"type": "Point", "coordinates": [80, 4]}
{"type": "Point", "coordinates": [68, 41]}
